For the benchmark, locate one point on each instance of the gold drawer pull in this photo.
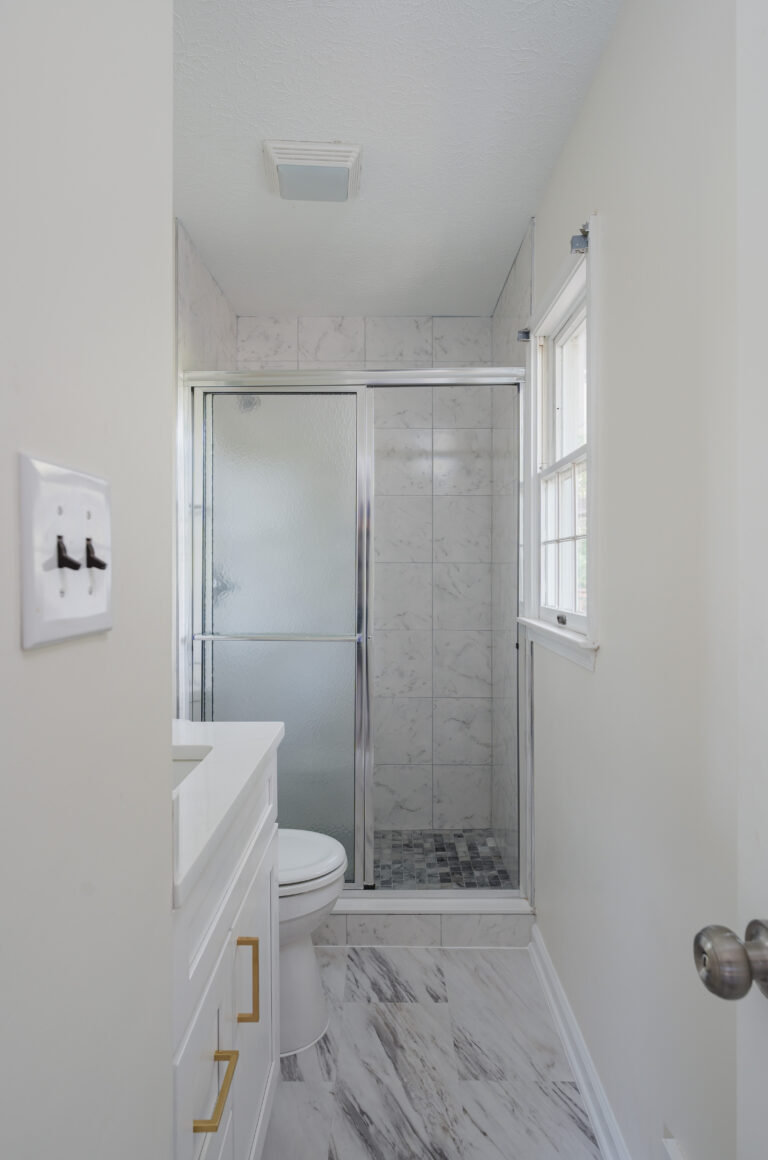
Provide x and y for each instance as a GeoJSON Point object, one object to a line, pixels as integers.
{"type": "Point", "coordinates": [212, 1125]}
{"type": "Point", "coordinates": [253, 1015]}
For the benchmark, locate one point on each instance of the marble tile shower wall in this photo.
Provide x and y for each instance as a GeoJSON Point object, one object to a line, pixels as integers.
{"type": "Point", "coordinates": [432, 653]}
{"type": "Point", "coordinates": [287, 342]}
{"type": "Point", "coordinates": [206, 324]}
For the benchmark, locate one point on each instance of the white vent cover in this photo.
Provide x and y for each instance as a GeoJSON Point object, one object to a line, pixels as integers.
{"type": "Point", "coordinates": [302, 169]}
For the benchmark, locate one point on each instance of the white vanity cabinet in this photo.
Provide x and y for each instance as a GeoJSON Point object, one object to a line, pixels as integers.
{"type": "Point", "coordinates": [225, 940]}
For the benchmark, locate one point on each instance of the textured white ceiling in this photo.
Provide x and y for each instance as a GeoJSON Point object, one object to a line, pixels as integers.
{"type": "Point", "coordinates": [461, 107]}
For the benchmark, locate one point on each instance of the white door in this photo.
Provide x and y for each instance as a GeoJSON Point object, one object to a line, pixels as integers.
{"type": "Point", "coordinates": [751, 759]}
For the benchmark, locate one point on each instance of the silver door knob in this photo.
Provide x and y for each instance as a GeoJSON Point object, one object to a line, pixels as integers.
{"type": "Point", "coordinates": [727, 966]}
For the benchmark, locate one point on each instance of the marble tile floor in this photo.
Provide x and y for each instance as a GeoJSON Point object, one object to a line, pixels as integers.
{"type": "Point", "coordinates": [430, 1054]}
{"type": "Point", "coordinates": [467, 859]}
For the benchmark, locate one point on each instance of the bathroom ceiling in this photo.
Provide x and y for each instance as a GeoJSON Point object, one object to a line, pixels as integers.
{"type": "Point", "coordinates": [461, 108]}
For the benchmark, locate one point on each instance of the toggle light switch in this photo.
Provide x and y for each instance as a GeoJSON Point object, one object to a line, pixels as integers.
{"type": "Point", "coordinates": [66, 552]}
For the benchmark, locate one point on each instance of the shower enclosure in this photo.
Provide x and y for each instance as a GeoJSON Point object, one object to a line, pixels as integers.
{"type": "Point", "coordinates": [348, 565]}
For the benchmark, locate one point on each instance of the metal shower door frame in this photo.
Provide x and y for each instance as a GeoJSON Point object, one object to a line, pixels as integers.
{"type": "Point", "coordinates": [193, 387]}
{"type": "Point", "coordinates": [200, 397]}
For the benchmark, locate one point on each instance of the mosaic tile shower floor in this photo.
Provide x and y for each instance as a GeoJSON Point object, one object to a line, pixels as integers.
{"type": "Point", "coordinates": [439, 859]}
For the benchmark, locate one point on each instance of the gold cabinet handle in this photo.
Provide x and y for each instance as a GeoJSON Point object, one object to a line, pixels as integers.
{"type": "Point", "coordinates": [252, 1016]}
{"type": "Point", "coordinates": [212, 1125]}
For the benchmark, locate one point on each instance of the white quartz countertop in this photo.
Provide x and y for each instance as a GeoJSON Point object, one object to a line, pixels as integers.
{"type": "Point", "coordinates": [229, 755]}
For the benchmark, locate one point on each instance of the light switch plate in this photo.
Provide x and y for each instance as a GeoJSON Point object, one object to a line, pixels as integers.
{"type": "Point", "coordinates": [63, 602]}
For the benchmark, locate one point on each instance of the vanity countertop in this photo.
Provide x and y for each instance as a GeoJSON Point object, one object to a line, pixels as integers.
{"type": "Point", "coordinates": [231, 758]}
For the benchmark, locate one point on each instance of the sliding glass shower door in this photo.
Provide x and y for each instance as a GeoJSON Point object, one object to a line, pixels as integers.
{"type": "Point", "coordinates": [280, 605]}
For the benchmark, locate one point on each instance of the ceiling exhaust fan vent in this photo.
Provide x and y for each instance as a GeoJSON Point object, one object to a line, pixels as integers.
{"type": "Point", "coordinates": [312, 170]}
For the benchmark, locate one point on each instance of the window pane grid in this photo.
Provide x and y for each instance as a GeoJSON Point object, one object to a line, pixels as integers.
{"type": "Point", "coordinates": [563, 538]}
{"type": "Point", "coordinates": [561, 435]}
{"type": "Point", "coordinates": [571, 389]}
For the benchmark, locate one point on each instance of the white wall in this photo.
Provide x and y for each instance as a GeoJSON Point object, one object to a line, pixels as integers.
{"type": "Point", "coordinates": [513, 309]}
{"type": "Point", "coordinates": [86, 375]}
{"type": "Point", "coordinates": [634, 763]}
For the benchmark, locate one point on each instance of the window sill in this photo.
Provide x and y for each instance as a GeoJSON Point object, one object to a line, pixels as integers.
{"type": "Point", "coordinates": [563, 641]}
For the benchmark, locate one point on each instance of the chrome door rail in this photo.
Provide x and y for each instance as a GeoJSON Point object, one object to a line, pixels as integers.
{"type": "Point", "coordinates": [276, 636]}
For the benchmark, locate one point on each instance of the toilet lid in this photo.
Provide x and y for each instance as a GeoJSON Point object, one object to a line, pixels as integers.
{"type": "Point", "coordinates": [304, 855]}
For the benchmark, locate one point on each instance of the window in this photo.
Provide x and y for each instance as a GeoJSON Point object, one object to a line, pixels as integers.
{"type": "Point", "coordinates": [561, 470]}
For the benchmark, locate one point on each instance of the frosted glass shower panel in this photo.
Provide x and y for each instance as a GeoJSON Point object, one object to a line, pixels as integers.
{"type": "Point", "coordinates": [311, 687]}
{"type": "Point", "coordinates": [281, 501]}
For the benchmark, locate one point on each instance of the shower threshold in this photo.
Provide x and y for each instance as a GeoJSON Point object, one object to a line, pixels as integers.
{"type": "Point", "coordinates": [445, 860]}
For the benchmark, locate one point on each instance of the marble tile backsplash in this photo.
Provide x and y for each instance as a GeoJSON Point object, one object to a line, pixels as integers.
{"type": "Point", "coordinates": [290, 342]}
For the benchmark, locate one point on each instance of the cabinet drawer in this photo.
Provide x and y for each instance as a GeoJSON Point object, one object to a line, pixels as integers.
{"type": "Point", "coordinates": [202, 924]}
{"type": "Point", "coordinates": [221, 1145]}
{"type": "Point", "coordinates": [256, 938]}
{"type": "Point", "coordinates": [198, 1078]}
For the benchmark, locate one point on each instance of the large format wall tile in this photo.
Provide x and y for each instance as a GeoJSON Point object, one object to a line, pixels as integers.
{"type": "Point", "coordinates": [333, 341]}
{"type": "Point", "coordinates": [461, 342]}
{"type": "Point", "coordinates": [462, 595]}
{"type": "Point", "coordinates": [405, 930]}
{"type": "Point", "coordinates": [466, 406]}
{"type": "Point", "coordinates": [504, 596]}
{"type": "Point", "coordinates": [505, 733]}
{"type": "Point", "coordinates": [504, 446]}
{"type": "Point", "coordinates": [487, 930]}
{"type": "Point", "coordinates": [402, 730]}
{"type": "Point", "coordinates": [403, 462]}
{"type": "Point", "coordinates": [504, 407]}
{"type": "Point", "coordinates": [402, 664]}
{"type": "Point", "coordinates": [332, 932]}
{"type": "Point", "coordinates": [462, 462]}
{"type": "Point", "coordinates": [504, 539]}
{"type": "Point", "coordinates": [505, 656]}
{"type": "Point", "coordinates": [402, 797]}
{"type": "Point", "coordinates": [462, 528]}
{"type": "Point", "coordinates": [462, 796]}
{"type": "Point", "coordinates": [463, 663]}
{"type": "Point", "coordinates": [462, 731]}
{"type": "Point", "coordinates": [402, 597]}
{"type": "Point", "coordinates": [206, 324]}
{"type": "Point", "coordinates": [403, 529]}
{"type": "Point", "coordinates": [404, 342]}
{"type": "Point", "coordinates": [402, 407]}
{"type": "Point", "coordinates": [267, 340]}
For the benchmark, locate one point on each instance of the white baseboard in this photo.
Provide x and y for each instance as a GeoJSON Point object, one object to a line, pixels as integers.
{"type": "Point", "coordinates": [604, 1123]}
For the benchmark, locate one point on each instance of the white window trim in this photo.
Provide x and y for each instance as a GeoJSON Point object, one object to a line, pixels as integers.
{"type": "Point", "coordinates": [576, 278]}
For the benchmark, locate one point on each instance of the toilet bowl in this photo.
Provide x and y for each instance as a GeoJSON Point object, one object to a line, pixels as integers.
{"type": "Point", "coordinates": [311, 874]}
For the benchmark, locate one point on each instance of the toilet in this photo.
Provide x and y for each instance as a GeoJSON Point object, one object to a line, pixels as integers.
{"type": "Point", "coordinates": [311, 871]}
